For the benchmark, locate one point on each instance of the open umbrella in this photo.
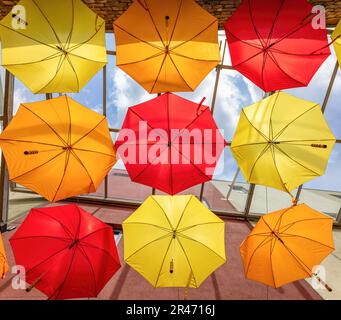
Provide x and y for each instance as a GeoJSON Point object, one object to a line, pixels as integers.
{"type": "Point", "coordinates": [3, 260]}
{"type": "Point", "coordinates": [274, 43]}
{"type": "Point", "coordinates": [282, 142]}
{"type": "Point", "coordinates": [285, 245]}
{"type": "Point", "coordinates": [167, 45]}
{"type": "Point", "coordinates": [67, 253]}
{"type": "Point", "coordinates": [58, 148]}
{"type": "Point", "coordinates": [170, 143]}
{"type": "Point", "coordinates": [53, 46]}
{"type": "Point", "coordinates": [336, 37]}
{"type": "Point", "coordinates": [174, 241]}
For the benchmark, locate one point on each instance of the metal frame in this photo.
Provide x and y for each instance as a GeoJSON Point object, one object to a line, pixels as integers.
{"type": "Point", "coordinates": [246, 214]}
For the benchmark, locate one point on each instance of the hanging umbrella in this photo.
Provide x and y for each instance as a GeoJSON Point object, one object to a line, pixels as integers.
{"type": "Point", "coordinates": [336, 37]}
{"type": "Point", "coordinates": [286, 245]}
{"type": "Point", "coordinates": [67, 253]}
{"type": "Point", "coordinates": [167, 45]}
{"type": "Point", "coordinates": [53, 46]}
{"type": "Point", "coordinates": [3, 259]}
{"type": "Point", "coordinates": [282, 142]}
{"type": "Point", "coordinates": [58, 148]}
{"type": "Point", "coordinates": [174, 241]}
{"type": "Point", "coordinates": [274, 43]}
{"type": "Point", "coordinates": [179, 147]}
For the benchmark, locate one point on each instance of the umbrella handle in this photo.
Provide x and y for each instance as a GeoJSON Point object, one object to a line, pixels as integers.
{"type": "Point", "coordinates": [323, 283]}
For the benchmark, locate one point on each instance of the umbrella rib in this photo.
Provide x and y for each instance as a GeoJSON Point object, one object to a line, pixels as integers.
{"type": "Point", "coordinates": [191, 58]}
{"type": "Point", "coordinates": [28, 141]}
{"type": "Point", "coordinates": [262, 41]}
{"type": "Point", "coordinates": [139, 39]}
{"type": "Point", "coordinates": [274, 22]}
{"type": "Point", "coordinates": [81, 249]}
{"type": "Point", "coordinates": [38, 167]}
{"type": "Point", "coordinates": [176, 23]}
{"type": "Point", "coordinates": [291, 122]}
{"type": "Point", "coordinates": [187, 126]}
{"type": "Point", "coordinates": [271, 131]}
{"type": "Point", "coordinates": [289, 225]}
{"type": "Point", "coordinates": [152, 19]}
{"type": "Point", "coordinates": [275, 163]}
{"type": "Point", "coordinates": [26, 36]}
{"type": "Point", "coordinates": [279, 149]}
{"type": "Point", "coordinates": [150, 224]}
{"type": "Point", "coordinates": [84, 58]}
{"type": "Point", "coordinates": [86, 170]}
{"type": "Point", "coordinates": [158, 75]}
{"type": "Point", "coordinates": [74, 71]}
{"type": "Point", "coordinates": [258, 157]}
{"type": "Point", "coordinates": [85, 244]}
{"type": "Point", "coordinates": [265, 57]}
{"type": "Point", "coordinates": [170, 149]}
{"type": "Point", "coordinates": [183, 212]}
{"type": "Point", "coordinates": [196, 225]}
{"type": "Point", "coordinates": [68, 39]}
{"type": "Point", "coordinates": [256, 46]}
{"type": "Point", "coordinates": [210, 249]}
{"type": "Point", "coordinates": [143, 60]}
{"type": "Point", "coordinates": [51, 57]}
{"type": "Point", "coordinates": [190, 266]}
{"type": "Point", "coordinates": [299, 236]}
{"type": "Point", "coordinates": [252, 125]}
{"type": "Point", "coordinates": [78, 45]}
{"type": "Point", "coordinates": [178, 71]}
{"type": "Point", "coordinates": [198, 34]}
{"type": "Point", "coordinates": [48, 22]}
{"type": "Point", "coordinates": [49, 126]}
{"type": "Point", "coordinates": [85, 135]}
{"type": "Point", "coordinates": [162, 263]}
{"type": "Point", "coordinates": [91, 233]}
{"type": "Point", "coordinates": [60, 287]}
{"type": "Point", "coordinates": [249, 144]}
{"type": "Point", "coordinates": [147, 244]}
{"type": "Point", "coordinates": [67, 231]}
{"type": "Point", "coordinates": [93, 151]}
{"type": "Point", "coordinates": [164, 212]}
{"type": "Point", "coordinates": [69, 113]}
{"type": "Point", "coordinates": [59, 66]}
{"type": "Point", "coordinates": [32, 237]}
{"type": "Point", "coordinates": [67, 158]}
{"type": "Point", "coordinates": [272, 247]}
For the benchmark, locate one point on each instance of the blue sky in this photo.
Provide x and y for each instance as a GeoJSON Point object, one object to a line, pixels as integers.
{"type": "Point", "coordinates": [234, 93]}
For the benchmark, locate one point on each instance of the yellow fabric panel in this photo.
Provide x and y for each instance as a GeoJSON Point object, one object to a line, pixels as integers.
{"type": "Point", "coordinates": [167, 55]}
{"type": "Point", "coordinates": [285, 245]}
{"type": "Point", "coordinates": [286, 135]}
{"type": "Point", "coordinates": [174, 241]}
{"type": "Point", "coordinates": [336, 36]}
{"type": "Point", "coordinates": [3, 259]}
{"type": "Point", "coordinates": [61, 48]}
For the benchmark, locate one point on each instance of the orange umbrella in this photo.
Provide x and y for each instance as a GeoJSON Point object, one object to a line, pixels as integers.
{"type": "Point", "coordinates": [285, 245]}
{"type": "Point", "coordinates": [3, 260]}
{"type": "Point", "coordinates": [58, 148]}
{"type": "Point", "coordinates": [167, 45]}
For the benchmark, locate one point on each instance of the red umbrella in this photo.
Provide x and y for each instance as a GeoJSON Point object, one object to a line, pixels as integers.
{"type": "Point", "coordinates": [67, 253]}
{"type": "Point", "coordinates": [274, 43]}
{"type": "Point", "coordinates": [170, 143]}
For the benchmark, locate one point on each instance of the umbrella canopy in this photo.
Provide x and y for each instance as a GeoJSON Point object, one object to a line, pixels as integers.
{"type": "Point", "coordinates": [3, 259]}
{"type": "Point", "coordinates": [336, 37]}
{"type": "Point", "coordinates": [285, 245]}
{"type": "Point", "coordinates": [174, 241]}
{"type": "Point", "coordinates": [274, 43]}
{"type": "Point", "coordinates": [67, 253]}
{"type": "Point", "coordinates": [167, 45]}
{"type": "Point", "coordinates": [58, 148]}
{"type": "Point", "coordinates": [53, 46]}
{"type": "Point", "coordinates": [282, 142]}
{"type": "Point", "coordinates": [179, 147]}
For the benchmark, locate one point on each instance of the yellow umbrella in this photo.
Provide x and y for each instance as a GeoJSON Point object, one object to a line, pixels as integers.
{"type": "Point", "coordinates": [282, 142]}
{"type": "Point", "coordinates": [174, 241]}
{"type": "Point", "coordinates": [336, 38]}
{"type": "Point", "coordinates": [3, 260]}
{"type": "Point", "coordinates": [53, 46]}
{"type": "Point", "coordinates": [58, 148]}
{"type": "Point", "coordinates": [167, 45]}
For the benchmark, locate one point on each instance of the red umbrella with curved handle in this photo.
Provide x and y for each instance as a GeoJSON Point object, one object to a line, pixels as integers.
{"type": "Point", "coordinates": [67, 253]}
{"type": "Point", "coordinates": [276, 44]}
